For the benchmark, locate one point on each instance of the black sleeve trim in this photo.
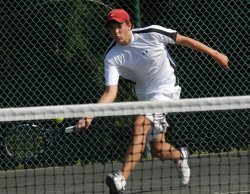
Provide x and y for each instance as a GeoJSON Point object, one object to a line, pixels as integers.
{"type": "Point", "coordinates": [171, 35]}
{"type": "Point", "coordinates": [109, 48]}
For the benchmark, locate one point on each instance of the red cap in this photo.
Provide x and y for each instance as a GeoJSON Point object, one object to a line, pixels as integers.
{"type": "Point", "coordinates": [118, 15]}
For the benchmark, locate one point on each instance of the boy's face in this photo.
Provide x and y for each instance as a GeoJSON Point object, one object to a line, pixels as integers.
{"type": "Point", "coordinates": [120, 32]}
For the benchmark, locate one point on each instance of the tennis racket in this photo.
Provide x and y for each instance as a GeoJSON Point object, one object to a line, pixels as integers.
{"type": "Point", "coordinates": [29, 140]}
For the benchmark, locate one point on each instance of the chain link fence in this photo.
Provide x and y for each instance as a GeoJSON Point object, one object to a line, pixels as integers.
{"type": "Point", "coordinates": [52, 54]}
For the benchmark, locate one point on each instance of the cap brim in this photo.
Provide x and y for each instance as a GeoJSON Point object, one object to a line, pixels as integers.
{"type": "Point", "coordinates": [118, 20]}
{"type": "Point", "coordinates": [113, 21]}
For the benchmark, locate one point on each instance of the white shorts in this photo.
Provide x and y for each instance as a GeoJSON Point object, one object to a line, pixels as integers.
{"type": "Point", "coordinates": [160, 124]}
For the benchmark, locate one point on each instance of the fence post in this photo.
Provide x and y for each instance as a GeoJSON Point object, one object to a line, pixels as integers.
{"type": "Point", "coordinates": [137, 14]}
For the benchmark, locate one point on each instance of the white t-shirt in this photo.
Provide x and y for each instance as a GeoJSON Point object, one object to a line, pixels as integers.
{"type": "Point", "coordinates": [145, 61]}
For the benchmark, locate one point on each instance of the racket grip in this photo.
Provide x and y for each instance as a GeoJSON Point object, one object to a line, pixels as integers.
{"type": "Point", "coordinates": [70, 129]}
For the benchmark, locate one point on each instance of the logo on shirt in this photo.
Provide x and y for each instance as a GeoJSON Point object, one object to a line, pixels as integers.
{"type": "Point", "coordinates": [145, 52]}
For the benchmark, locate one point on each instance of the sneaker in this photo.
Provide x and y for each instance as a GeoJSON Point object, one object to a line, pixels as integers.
{"type": "Point", "coordinates": [183, 168]}
{"type": "Point", "coordinates": [116, 183]}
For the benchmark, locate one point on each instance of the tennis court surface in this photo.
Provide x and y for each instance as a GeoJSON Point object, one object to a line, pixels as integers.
{"type": "Point", "coordinates": [218, 174]}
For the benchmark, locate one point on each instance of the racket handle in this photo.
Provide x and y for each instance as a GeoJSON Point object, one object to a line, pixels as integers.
{"type": "Point", "coordinates": [70, 129]}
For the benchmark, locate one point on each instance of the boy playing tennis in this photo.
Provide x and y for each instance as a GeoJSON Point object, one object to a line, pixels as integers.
{"type": "Point", "coordinates": [140, 55]}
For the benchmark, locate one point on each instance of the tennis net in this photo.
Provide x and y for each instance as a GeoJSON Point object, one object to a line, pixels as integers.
{"type": "Point", "coordinates": [39, 155]}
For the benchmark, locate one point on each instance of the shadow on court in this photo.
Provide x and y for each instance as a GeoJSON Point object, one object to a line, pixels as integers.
{"type": "Point", "coordinates": [214, 174]}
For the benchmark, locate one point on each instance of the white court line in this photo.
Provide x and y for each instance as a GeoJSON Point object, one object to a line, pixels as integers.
{"type": "Point", "coordinates": [232, 192]}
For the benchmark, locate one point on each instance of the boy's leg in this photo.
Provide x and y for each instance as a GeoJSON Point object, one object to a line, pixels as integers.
{"type": "Point", "coordinates": [135, 150]}
{"type": "Point", "coordinates": [116, 182]}
{"type": "Point", "coordinates": [164, 150]}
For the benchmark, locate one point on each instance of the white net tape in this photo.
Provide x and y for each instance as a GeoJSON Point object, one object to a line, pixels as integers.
{"type": "Point", "coordinates": [125, 108]}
